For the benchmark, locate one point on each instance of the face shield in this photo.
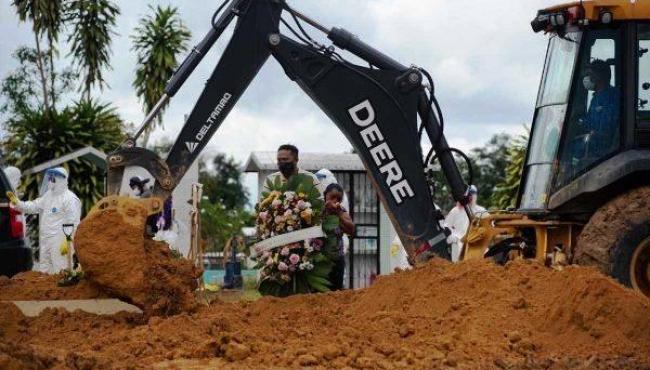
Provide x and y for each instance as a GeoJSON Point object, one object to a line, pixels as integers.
{"type": "Point", "coordinates": [325, 177]}
{"type": "Point", "coordinates": [54, 179]}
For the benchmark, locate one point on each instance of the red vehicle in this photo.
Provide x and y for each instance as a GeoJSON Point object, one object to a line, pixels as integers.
{"type": "Point", "coordinates": [15, 256]}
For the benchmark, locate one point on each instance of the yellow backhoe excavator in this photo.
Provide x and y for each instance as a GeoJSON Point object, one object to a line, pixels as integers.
{"type": "Point", "coordinates": [584, 196]}
{"type": "Point", "coordinates": [585, 191]}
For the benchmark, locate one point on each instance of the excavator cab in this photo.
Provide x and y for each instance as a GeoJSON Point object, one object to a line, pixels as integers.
{"type": "Point", "coordinates": [592, 105]}
{"type": "Point", "coordinates": [584, 192]}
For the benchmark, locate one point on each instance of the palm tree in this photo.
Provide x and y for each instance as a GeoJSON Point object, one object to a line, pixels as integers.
{"type": "Point", "coordinates": [157, 40]}
{"type": "Point", "coordinates": [92, 24]}
{"type": "Point", "coordinates": [46, 18]}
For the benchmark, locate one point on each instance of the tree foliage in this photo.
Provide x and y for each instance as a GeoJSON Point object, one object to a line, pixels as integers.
{"type": "Point", "coordinates": [34, 137]}
{"type": "Point", "coordinates": [157, 40]}
{"type": "Point", "coordinates": [505, 194]}
{"type": "Point", "coordinates": [489, 164]}
{"type": "Point", "coordinates": [222, 182]}
{"type": "Point", "coordinates": [92, 23]}
{"type": "Point", "coordinates": [37, 133]}
{"type": "Point", "coordinates": [219, 223]}
{"type": "Point", "coordinates": [46, 17]}
{"type": "Point", "coordinates": [224, 197]}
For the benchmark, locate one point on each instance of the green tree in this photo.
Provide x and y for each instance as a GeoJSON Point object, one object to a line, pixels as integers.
{"type": "Point", "coordinates": [505, 194]}
{"type": "Point", "coordinates": [219, 223]}
{"type": "Point", "coordinates": [34, 137]}
{"type": "Point", "coordinates": [222, 183]}
{"type": "Point", "coordinates": [46, 18]}
{"type": "Point", "coordinates": [489, 163]}
{"type": "Point", "coordinates": [92, 23]}
{"type": "Point", "coordinates": [157, 40]}
{"type": "Point", "coordinates": [223, 212]}
{"type": "Point", "coordinates": [21, 87]}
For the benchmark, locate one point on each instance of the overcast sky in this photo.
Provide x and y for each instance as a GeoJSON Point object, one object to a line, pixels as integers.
{"type": "Point", "coordinates": [483, 56]}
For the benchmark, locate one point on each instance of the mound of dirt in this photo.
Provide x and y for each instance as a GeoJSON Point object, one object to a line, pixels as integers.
{"type": "Point", "coordinates": [126, 265]}
{"type": "Point", "coordinates": [469, 315]}
{"type": "Point", "coordinates": [32, 285]}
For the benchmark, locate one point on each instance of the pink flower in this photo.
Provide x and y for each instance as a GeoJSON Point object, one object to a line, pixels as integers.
{"type": "Point", "coordinates": [285, 251]}
{"type": "Point", "coordinates": [294, 259]}
{"type": "Point", "coordinates": [287, 213]}
{"type": "Point", "coordinates": [263, 216]}
{"type": "Point", "coordinates": [301, 204]}
{"type": "Point", "coordinates": [266, 254]}
{"type": "Point", "coordinates": [282, 266]}
{"type": "Point", "coordinates": [269, 261]}
{"type": "Point", "coordinates": [317, 244]}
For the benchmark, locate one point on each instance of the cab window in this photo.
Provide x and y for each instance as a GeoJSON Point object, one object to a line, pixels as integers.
{"type": "Point", "coordinates": [593, 123]}
{"type": "Point", "coordinates": [643, 98]}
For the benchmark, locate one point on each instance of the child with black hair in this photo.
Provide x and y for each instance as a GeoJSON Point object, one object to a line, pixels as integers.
{"type": "Point", "coordinates": [333, 196]}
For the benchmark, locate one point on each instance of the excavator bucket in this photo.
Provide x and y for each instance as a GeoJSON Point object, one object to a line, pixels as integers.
{"type": "Point", "coordinates": [109, 244]}
{"type": "Point", "coordinates": [117, 256]}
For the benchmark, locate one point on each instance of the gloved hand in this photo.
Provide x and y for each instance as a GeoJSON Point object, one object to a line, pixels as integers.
{"type": "Point", "coordinates": [12, 197]}
{"type": "Point", "coordinates": [160, 224]}
{"type": "Point", "coordinates": [63, 248]}
{"type": "Point", "coordinates": [452, 238]}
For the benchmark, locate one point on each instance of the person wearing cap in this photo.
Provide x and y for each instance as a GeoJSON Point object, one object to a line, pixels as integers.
{"type": "Point", "coordinates": [458, 222]}
{"type": "Point", "coordinates": [55, 206]}
{"type": "Point", "coordinates": [139, 187]}
{"type": "Point", "coordinates": [159, 222]}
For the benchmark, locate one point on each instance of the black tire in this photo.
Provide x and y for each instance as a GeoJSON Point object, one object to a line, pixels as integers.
{"type": "Point", "coordinates": [614, 233]}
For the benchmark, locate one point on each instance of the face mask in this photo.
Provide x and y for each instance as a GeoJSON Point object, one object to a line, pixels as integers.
{"type": "Point", "coordinates": [287, 168]}
{"type": "Point", "coordinates": [588, 83]}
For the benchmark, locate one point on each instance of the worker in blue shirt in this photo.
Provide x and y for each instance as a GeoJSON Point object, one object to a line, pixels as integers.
{"type": "Point", "coordinates": [602, 119]}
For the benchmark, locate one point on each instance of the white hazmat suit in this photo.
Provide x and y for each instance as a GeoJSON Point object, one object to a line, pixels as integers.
{"type": "Point", "coordinates": [458, 223]}
{"type": "Point", "coordinates": [56, 206]}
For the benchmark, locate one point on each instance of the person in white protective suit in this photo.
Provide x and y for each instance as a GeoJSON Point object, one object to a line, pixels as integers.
{"type": "Point", "coordinates": [325, 178]}
{"type": "Point", "coordinates": [458, 222]}
{"type": "Point", "coordinates": [398, 258]}
{"type": "Point", "coordinates": [56, 206]}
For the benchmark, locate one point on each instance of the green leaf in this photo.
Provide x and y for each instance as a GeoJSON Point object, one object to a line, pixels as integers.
{"type": "Point", "coordinates": [319, 283]}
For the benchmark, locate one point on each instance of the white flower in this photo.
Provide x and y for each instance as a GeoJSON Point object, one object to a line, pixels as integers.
{"type": "Point", "coordinates": [289, 195]}
{"type": "Point", "coordinates": [309, 248]}
{"type": "Point", "coordinates": [306, 266]}
{"type": "Point", "coordinates": [307, 205]}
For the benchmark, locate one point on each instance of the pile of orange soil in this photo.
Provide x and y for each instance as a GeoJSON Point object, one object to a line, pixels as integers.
{"type": "Point", "coordinates": [472, 315]}
{"type": "Point", "coordinates": [116, 257]}
{"type": "Point", "coordinates": [32, 286]}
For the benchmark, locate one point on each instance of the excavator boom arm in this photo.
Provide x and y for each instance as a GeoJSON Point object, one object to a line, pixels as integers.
{"type": "Point", "coordinates": [375, 107]}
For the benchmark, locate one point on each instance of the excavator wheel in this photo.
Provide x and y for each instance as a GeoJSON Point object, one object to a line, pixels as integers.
{"type": "Point", "coordinates": [617, 240]}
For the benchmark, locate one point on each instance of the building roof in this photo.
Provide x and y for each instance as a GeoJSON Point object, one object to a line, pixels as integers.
{"type": "Point", "coordinates": [89, 153]}
{"type": "Point", "coordinates": [266, 161]}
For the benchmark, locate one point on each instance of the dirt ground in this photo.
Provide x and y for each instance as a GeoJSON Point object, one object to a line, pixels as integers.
{"type": "Point", "coordinates": [472, 315]}
{"type": "Point", "coordinates": [32, 285]}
